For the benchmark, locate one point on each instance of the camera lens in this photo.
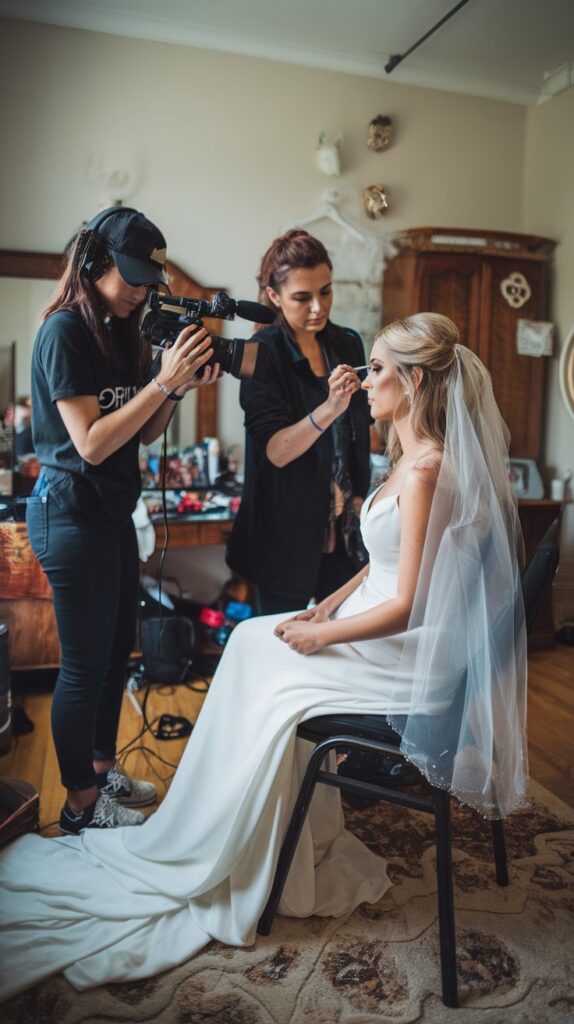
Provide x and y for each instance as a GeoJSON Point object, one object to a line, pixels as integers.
{"type": "Point", "coordinates": [234, 356]}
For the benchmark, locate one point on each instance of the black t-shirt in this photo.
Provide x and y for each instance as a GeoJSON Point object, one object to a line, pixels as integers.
{"type": "Point", "coordinates": [66, 363]}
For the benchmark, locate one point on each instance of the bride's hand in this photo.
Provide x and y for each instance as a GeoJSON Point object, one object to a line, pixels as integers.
{"type": "Point", "coordinates": [303, 636]}
{"type": "Point", "coordinates": [318, 613]}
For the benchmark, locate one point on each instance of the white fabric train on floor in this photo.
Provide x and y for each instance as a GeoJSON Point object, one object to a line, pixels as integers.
{"type": "Point", "coordinates": [128, 903]}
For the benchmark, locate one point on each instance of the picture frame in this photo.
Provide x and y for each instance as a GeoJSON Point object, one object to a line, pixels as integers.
{"type": "Point", "coordinates": [525, 479]}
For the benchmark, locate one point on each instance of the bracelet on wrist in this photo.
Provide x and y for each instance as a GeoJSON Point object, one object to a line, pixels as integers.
{"type": "Point", "coordinates": [162, 387]}
{"type": "Point", "coordinates": [315, 424]}
{"type": "Point", "coordinates": [173, 397]}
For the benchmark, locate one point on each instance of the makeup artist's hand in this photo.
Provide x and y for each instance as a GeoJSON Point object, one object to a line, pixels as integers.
{"type": "Point", "coordinates": [343, 383]}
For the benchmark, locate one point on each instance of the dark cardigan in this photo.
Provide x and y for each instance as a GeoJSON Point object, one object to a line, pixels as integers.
{"type": "Point", "coordinates": [278, 536]}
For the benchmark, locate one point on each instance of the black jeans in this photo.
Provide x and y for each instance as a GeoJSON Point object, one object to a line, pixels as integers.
{"type": "Point", "coordinates": [94, 574]}
{"type": "Point", "coordinates": [334, 570]}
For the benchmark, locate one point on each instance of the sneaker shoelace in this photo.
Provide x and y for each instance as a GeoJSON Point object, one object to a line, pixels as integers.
{"type": "Point", "coordinates": [118, 780]}
{"type": "Point", "coordinates": [108, 813]}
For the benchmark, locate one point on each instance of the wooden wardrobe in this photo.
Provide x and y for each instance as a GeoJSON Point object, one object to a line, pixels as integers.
{"type": "Point", "coordinates": [486, 281]}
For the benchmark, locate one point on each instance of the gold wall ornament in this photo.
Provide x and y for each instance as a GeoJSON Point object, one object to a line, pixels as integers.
{"type": "Point", "coordinates": [375, 201]}
{"type": "Point", "coordinates": [380, 130]}
{"type": "Point", "coordinates": [515, 289]}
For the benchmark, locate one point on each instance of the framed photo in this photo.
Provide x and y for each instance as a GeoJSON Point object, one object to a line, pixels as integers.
{"type": "Point", "coordinates": [525, 478]}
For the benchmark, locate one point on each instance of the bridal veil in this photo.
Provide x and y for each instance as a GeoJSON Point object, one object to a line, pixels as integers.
{"type": "Point", "coordinates": [468, 615]}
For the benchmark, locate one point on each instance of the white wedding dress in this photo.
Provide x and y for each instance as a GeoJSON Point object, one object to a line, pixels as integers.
{"type": "Point", "coordinates": [124, 904]}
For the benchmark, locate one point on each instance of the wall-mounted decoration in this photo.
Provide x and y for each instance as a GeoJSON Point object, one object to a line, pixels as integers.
{"type": "Point", "coordinates": [328, 155]}
{"type": "Point", "coordinates": [375, 201]}
{"type": "Point", "coordinates": [566, 372]}
{"type": "Point", "coordinates": [113, 172]}
{"type": "Point", "coordinates": [515, 289]}
{"type": "Point", "coordinates": [534, 337]}
{"type": "Point", "coordinates": [380, 131]}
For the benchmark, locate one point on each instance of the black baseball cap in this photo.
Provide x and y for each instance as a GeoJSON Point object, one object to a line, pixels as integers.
{"type": "Point", "coordinates": [136, 246]}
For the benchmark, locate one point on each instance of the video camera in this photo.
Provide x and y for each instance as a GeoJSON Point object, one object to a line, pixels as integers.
{"type": "Point", "coordinates": [164, 316]}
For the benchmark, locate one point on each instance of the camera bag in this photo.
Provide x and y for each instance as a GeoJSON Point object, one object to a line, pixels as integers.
{"type": "Point", "coordinates": [167, 648]}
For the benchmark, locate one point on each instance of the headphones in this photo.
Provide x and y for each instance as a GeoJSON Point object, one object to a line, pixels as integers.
{"type": "Point", "coordinates": [92, 251]}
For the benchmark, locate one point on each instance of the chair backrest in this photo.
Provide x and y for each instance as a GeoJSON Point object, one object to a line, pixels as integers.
{"type": "Point", "coordinates": [539, 573]}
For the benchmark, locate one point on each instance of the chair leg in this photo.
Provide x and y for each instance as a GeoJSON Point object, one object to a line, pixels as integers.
{"type": "Point", "coordinates": [499, 850]}
{"type": "Point", "coordinates": [447, 932]}
{"type": "Point", "coordinates": [291, 839]}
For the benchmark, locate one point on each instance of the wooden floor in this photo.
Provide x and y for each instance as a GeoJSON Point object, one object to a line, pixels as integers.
{"type": "Point", "coordinates": [550, 733]}
{"type": "Point", "coordinates": [551, 720]}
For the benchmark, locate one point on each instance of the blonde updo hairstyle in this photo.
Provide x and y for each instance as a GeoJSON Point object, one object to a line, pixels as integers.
{"type": "Point", "coordinates": [426, 341]}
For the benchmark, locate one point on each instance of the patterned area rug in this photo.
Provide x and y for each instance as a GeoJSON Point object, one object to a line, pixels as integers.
{"type": "Point", "coordinates": [381, 964]}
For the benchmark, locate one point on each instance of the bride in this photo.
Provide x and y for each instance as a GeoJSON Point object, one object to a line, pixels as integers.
{"type": "Point", "coordinates": [431, 632]}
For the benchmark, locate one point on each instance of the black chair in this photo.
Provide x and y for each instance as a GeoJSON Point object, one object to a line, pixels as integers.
{"type": "Point", "coordinates": [373, 734]}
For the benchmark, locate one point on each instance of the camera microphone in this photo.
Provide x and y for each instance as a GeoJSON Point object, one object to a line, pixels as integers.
{"type": "Point", "coordinates": [254, 311]}
{"type": "Point", "coordinates": [220, 306]}
{"type": "Point", "coordinates": [223, 306]}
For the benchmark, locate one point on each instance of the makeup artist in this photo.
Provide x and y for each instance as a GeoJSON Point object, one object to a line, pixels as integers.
{"type": "Point", "coordinates": [296, 535]}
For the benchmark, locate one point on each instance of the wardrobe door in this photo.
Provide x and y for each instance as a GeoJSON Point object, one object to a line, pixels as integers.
{"type": "Point", "coordinates": [451, 283]}
{"type": "Point", "coordinates": [518, 380]}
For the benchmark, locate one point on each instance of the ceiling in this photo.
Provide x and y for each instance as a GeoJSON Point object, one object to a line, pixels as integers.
{"type": "Point", "coordinates": [497, 48]}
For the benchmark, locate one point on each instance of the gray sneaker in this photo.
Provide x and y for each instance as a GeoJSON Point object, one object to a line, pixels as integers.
{"type": "Point", "coordinates": [126, 791]}
{"type": "Point", "coordinates": [105, 813]}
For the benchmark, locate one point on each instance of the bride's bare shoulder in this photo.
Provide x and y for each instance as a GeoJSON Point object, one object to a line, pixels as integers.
{"type": "Point", "coordinates": [427, 468]}
{"type": "Point", "coordinates": [419, 485]}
